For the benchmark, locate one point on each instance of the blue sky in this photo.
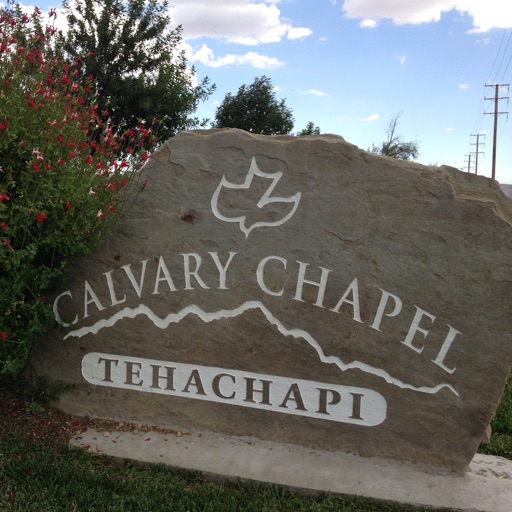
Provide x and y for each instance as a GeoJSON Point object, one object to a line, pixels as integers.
{"type": "Point", "coordinates": [351, 65]}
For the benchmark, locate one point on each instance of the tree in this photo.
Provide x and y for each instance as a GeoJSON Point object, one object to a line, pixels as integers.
{"type": "Point", "coordinates": [394, 146]}
{"type": "Point", "coordinates": [310, 129]}
{"type": "Point", "coordinates": [135, 60]}
{"type": "Point", "coordinates": [255, 109]}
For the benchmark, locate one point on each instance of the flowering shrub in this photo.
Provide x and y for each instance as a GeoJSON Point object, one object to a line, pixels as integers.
{"type": "Point", "coordinates": [65, 176]}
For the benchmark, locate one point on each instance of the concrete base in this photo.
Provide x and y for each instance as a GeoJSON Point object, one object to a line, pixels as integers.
{"type": "Point", "coordinates": [486, 487]}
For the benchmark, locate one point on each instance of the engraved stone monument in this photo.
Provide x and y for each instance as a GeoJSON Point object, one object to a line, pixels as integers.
{"type": "Point", "coordinates": [297, 290]}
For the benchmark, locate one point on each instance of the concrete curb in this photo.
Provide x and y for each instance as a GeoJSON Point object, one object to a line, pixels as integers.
{"type": "Point", "coordinates": [486, 487]}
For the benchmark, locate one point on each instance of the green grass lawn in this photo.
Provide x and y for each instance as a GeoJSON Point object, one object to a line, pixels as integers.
{"type": "Point", "coordinates": [40, 476]}
{"type": "Point", "coordinates": [47, 476]}
{"type": "Point", "coordinates": [501, 440]}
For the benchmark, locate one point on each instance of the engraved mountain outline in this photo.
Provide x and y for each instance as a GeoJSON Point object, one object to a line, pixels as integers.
{"type": "Point", "coordinates": [265, 199]}
{"type": "Point", "coordinates": [163, 323]}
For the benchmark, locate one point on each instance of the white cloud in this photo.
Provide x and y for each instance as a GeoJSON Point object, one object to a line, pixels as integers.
{"type": "Point", "coordinates": [247, 22]}
{"type": "Point", "coordinates": [463, 87]}
{"type": "Point", "coordinates": [485, 15]}
{"type": "Point", "coordinates": [368, 23]}
{"type": "Point", "coordinates": [299, 33]}
{"type": "Point", "coordinates": [372, 117]}
{"type": "Point", "coordinates": [205, 56]}
{"type": "Point", "coordinates": [449, 129]}
{"type": "Point", "coordinates": [401, 59]}
{"type": "Point", "coordinates": [315, 92]}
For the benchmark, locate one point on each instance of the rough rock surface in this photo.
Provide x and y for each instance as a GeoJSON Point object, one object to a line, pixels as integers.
{"type": "Point", "coordinates": [297, 290]}
{"type": "Point", "coordinates": [507, 190]}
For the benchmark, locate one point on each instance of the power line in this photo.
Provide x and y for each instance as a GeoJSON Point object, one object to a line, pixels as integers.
{"type": "Point", "coordinates": [502, 57]}
{"type": "Point", "coordinates": [496, 58]}
{"type": "Point", "coordinates": [506, 69]}
{"type": "Point", "coordinates": [480, 116]}
{"type": "Point", "coordinates": [494, 71]}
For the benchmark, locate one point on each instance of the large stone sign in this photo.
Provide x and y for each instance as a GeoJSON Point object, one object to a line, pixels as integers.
{"type": "Point", "coordinates": [300, 290]}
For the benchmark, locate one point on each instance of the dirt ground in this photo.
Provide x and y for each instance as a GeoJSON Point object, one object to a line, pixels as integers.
{"type": "Point", "coordinates": [21, 412]}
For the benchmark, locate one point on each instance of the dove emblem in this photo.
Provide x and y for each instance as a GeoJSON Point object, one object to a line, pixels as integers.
{"type": "Point", "coordinates": [265, 199]}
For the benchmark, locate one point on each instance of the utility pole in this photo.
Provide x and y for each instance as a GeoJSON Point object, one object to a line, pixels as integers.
{"type": "Point", "coordinates": [496, 99]}
{"type": "Point", "coordinates": [477, 152]}
{"type": "Point", "coordinates": [469, 162]}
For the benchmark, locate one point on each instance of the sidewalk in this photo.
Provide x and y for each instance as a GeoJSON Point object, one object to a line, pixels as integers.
{"type": "Point", "coordinates": [486, 487]}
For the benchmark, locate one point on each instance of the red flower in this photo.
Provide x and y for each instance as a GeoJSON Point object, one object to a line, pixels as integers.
{"type": "Point", "coordinates": [3, 335]}
{"type": "Point", "coordinates": [69, 205]}
{"type": "Point", "coordinates": [35, 167]}
{"type": "Point", "coordinates": [7, 244]}
{"type": "Point", "coordinates": [3, 226]}
{"type": "Point", "coordinates": [41, 216]}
